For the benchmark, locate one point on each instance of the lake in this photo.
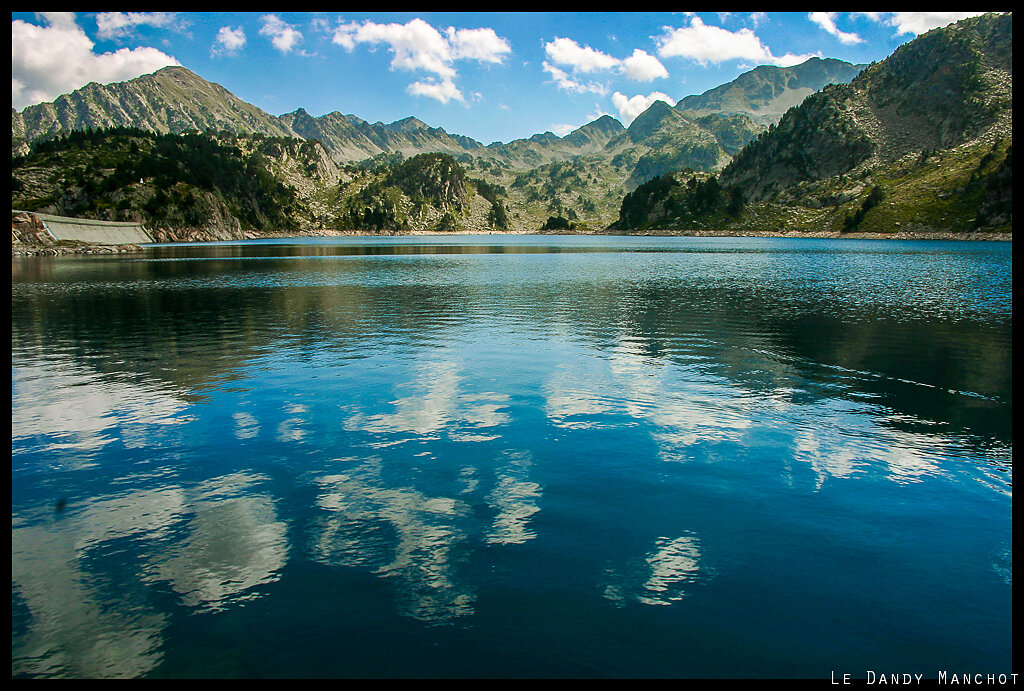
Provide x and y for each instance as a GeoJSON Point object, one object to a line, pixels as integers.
{"type": "Point", "coordinates": [513, 456]}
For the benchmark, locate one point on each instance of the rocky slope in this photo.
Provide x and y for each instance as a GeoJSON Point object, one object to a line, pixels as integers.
{"type": "Point", "coordinates": [172, 99]}
{"type": "Point", "coordinates": [766, 92]}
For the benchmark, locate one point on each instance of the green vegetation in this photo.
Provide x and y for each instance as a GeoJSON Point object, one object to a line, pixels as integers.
{"type": "Point", "coordinates": [665, 202]}
{"type": "Point", "coordinates": [497, 217]}
{"type": "Point", "coordinates": [162, 180]}
{"type": "Point", "coordinates": [873, 199]}
{"type": "Point", "coordinates": [430, 191]}
{"type": "Point", "coordinates": [556, 223]}
{"type": "Point", "coordinates": [961, 189]}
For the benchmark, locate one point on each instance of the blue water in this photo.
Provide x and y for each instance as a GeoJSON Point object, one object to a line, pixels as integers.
{"type": "Point", "coordinates": [513, 457]}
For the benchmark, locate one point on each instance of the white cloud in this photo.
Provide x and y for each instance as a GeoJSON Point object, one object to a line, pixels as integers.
{"type": "Point", "coordinates": [120, 24]}
{"type": "Point", "coordinates": [47, 61]}
{"type": "Point", "coordinates": [576, 59]}
{"type": "Point", "coordinates": [443, 91]}
{"type": "Point", "coordinates": [228, 41]}
{"type": "Point", "coordinates": [568, 83]}
{"type": "Point", "coordinates": [827, 21]}
{"type": "Point", "coordinates": [60, 20]}
{"type": "Point", "coordinates": [789, 59]}
{"type": "Point", "coordinates": [418, 46]}
{"type": "Point", "coordinates": [565, 51]}
{"type": "Point", "coordinates": [282, 35]}
{"type": "Point", "coordinates": [705, 44]}
{"type": "Point", "coordinates": [477, 44]}
{"type": "Point", "coordinates": [641, 66]}
{"type": "Point", "coordinates": [919, 22]}
{"type": "Point", "coordinates": [629, 108]}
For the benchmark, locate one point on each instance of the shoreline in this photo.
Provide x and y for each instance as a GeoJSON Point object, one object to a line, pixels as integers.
{"type": "Point", "coordinates": [21, 249]}
{"type": "Point", "coordinates": [987, 236]}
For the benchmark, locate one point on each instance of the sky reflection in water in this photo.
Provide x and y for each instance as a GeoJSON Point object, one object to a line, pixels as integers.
{"type": "Point", "coordinates": [455, 435]}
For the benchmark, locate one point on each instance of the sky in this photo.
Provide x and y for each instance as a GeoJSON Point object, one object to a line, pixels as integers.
{"type": "Point", "coordinates": [491, 76]}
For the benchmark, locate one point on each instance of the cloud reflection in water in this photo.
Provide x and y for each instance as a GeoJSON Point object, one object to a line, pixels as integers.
{"type": "Point", "coordinates": [663, 576]}
{"type": "Point", "coordinates": [213, 543]}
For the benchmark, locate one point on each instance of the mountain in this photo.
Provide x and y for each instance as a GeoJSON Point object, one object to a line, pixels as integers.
{"type": "Point", "coordinates": [922, 139]}
{"type": "Point", "coordinates": [219, 186]}
{"type": "Point", "coordinates": [583, 174]}
{"type": "Point", "coordinates": [170, 100]}
{"type": "Point", "coordinates": [175, 100]}
{"type": "Point", "coordinates": [662, 139]}
{"type": "Point", "coordinates": [409, 124]}
{"type": "Point", "coordinates": [766, 92]}
{"type": "Point", "coordinates": [593, 136]}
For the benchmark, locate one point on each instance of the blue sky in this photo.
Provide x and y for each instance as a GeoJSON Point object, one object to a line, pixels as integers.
{"type": "Point", "coordinates": [490, 76]}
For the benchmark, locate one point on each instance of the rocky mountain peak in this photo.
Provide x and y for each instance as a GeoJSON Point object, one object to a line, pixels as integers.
{"type": "Point", "coordinates": [409, 124]}
{"type": "Point", "coordinates": [767, 91]}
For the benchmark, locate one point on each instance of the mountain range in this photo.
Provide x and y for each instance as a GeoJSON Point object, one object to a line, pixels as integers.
{"type": "Point", "coordinates": [772, 136]}
{"type": "Point", "coordinates": [701, 132]}
{"type": "Point", "coordinates": [176, 100]}
{"type": "Point", "coordinates": [922, 139]}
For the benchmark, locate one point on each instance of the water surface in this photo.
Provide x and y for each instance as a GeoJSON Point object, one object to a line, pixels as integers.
{"type": "Point", "coordinates": [513, 456]}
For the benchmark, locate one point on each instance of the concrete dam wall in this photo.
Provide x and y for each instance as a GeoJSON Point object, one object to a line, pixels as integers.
{"type": "Point", "coordinates": [92, 232]}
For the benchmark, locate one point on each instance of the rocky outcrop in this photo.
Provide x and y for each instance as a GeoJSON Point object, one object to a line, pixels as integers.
{"type": "Point", "coordinates": [28, 229]}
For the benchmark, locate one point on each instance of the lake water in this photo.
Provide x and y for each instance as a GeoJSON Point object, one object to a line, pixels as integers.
{"type": "Point", "coordinates": [513, 457]}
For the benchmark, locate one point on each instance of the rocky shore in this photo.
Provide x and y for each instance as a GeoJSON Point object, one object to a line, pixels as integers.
{"type": "Point", "coordinates": [896, 235]}
{"type": "Point", "coordinates": [907, 234]}
{"type": "Point", "coordinates": [25, 243]}
{"type": "Point", "coordinates": [22, 250]}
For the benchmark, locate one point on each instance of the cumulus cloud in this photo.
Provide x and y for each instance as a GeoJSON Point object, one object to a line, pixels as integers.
{"type": "Point", "coordinates": [443, 90]}
{"type": "Point", "coordinates": [630, 108]}
{"type": "Point", "coordinates": [567, 59]}
{"type": "Point", "coordinates": [57, 58]}
{"type": "Point", "coordinates": [641, 66]}
{"type": "Point", "coordinates": [283, 35]}
{"type": "Point", "coordinates": [228, 41]}
{"type": "Point", "coordinates": [827, 21]}
{"type": "Point", "coordinates": [111, 25]}
{"type": "Point", "coordinates": [705, 44]}
{"type": "Point", "coordinates": [418, 46]}
{"type": "Point", "coordinates": [477, 44]}
{"type": "Point", "coordinates": [566, 51]}
{"type": "Point", "coordinates": [918, 22]}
